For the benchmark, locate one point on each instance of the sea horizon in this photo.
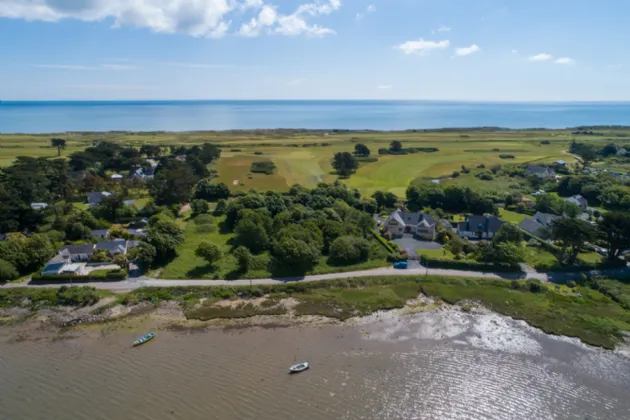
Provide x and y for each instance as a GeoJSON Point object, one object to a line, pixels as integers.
{"type": "Point", "coordinates": [56, 116]}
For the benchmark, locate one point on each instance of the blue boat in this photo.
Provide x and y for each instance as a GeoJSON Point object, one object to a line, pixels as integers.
{"type": "Point", "coordinates": [144, 339]}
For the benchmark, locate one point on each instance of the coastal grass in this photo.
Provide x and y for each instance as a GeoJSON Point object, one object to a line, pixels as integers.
{"type": "Point", "coordinates": [581, 312]}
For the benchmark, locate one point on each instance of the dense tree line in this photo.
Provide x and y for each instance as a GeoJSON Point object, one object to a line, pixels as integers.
{"type": "Point", "coordinates": [452, 199]}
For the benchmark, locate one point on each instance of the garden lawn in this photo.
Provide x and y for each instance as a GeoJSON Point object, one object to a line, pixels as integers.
{"type": "Point", "coordinates": [512, 216]}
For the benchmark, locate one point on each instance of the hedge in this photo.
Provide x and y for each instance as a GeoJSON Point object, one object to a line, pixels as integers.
{"type": "Point", "coordinates": [466, 265]}
{"type": "Point", "coordinates": [584, 266]}
{"type": "Point", "coordinates": [383, 241]}
{"type": "Point", "coordinates": [98, 275]}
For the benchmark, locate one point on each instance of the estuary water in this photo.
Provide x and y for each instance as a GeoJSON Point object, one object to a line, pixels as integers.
{"type": "Point", "coordinates": [60, 116]}
{"type": "Point", "coordinates": [436, 365]}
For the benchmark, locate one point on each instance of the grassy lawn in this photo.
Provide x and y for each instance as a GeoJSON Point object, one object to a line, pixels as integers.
{"type": "Point", "coordinates": [590, 257]}
{"type": "Point", "coordinates": [512, 216]}
{"type": "Point", "coordinates": [436, 253]}
{"type": "Point", "coordinates": [188, 266]}
{"type": "Point", "coordinates": [536, 256]}
{"type": "Point", "coordinates": [310, 165]}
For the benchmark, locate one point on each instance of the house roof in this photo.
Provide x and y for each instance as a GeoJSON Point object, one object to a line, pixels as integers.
{"type": "Point", "coordinates": [537, 169]}
{"type": "Point", "coordinates": [488, 224]}
{"type": "Point", "coordinates": [577, 199]}
{"type": "Point", "coordinates": [57, 259]}
{"type": "Point", "coordinates": [116, 245]}
{"type": "Point", "coordinates": [39, 205]}
{"type": "Point", "coordinates": [78, 249]}
{"type": "Point", "coordinates": [412, 219]}
{"type": "Point", "coordinates": [546, 219]}
{"type": "Point", "coordinates": [137, 232]}
{"type": "Point", "coordinates": [100, 232]}
{"type": "Point", "coordinates": [532, 226]}
{"type": "Point", "coordinates": [98, 196]}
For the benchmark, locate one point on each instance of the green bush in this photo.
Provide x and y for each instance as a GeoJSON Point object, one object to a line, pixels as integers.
{"type": "Point", "coordinates": [263, 167]}
{"type": "Point", "coordinates": [383, 241]}
{"type": "Point", "coordinates": [435, 262]}
{"type": "Point", "coordinates": [206, 229]}
{"type": "Point", "coordinates": [507, 156]}
{"type": "Point", "coordinates": [96, 275]}
{"type": "Point", "coordinates": [204, 219]}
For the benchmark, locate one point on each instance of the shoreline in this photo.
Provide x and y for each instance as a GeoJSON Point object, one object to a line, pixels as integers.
{"type": "Point", "coordinates": [581, 313]}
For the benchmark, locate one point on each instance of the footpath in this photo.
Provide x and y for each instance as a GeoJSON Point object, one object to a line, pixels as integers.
{"type": "Point", "coordinates": [134, 283]}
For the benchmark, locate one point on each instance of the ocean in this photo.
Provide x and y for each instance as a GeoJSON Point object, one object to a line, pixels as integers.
{"type": "Point", "coordinates": [50, 117]}
{"type": "Point", "coordinates": [437, 365]}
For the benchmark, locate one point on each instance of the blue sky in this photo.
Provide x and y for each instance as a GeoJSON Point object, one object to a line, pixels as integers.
{"type": "Point", "coordinates": [496, 50]}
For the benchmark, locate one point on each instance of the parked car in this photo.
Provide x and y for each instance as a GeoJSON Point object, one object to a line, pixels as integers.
{"type": "Point", "coordinates": [400, 265]}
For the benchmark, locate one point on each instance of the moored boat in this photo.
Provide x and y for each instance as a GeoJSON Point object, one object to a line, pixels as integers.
{"type": "Point", "coordinates": [144, 339]}
{"type": "Point", "coordinates": [299, 367]}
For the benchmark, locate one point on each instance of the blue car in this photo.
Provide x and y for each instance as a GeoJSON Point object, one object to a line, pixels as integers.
{"type": "Point", "coordinates": [401, 265]}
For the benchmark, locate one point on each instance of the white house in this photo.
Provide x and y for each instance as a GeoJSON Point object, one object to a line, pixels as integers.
{"type": "Point", "coordinates": [579, 201]}
{"type": "Point", "coordinates": [479, 227]}
{"type": "Point", "coordinates": [418, 224]}
{"type": "Point", "coordinates": [39, 206]}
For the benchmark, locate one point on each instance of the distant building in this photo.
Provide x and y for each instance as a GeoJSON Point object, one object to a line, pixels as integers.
{"type": "Point", "coordinates": [418, 224]}
{"type": "Point", "coordinates": [80, 252]}
{"type": "Point", "coordinates": [60, 264]}
{"type": "Point", "coordinates": [480, 227]}
{"type": "Point", "coordinates": [100, 233]}
{"type": "Point", "coordinates": [129, 203]}
{"type": "Point", "coordinates": [152, 163]}
{"type": "Point", "coordinates": [137, 232]}
{"type": "Point", "coordinates": [39, 206]}
{"type": "Point", "coordinates": [579, 201]}
{"type": "Point", "coordinates": [540, 171]}
{"type": "Point", "coordinates": [117, 177]}
{"type": "Point", "coordinates": [143, 174]}
{"type": "Point", "coordinates": [560, 162]}
{"type": "Point", "coordinates": [546, 219]}
{"type": "Point", "coordinates": [114, 247]}
{"type": "Point", "coordinates": [534, 227]}
{"type": "Point", "coordinates": [95, 198]}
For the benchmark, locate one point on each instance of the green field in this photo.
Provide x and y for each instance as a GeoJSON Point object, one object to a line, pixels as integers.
{"type": "Point", "coordinates": [303, 157]}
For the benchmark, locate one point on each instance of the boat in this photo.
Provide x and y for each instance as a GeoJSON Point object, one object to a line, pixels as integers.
{"type": "Point", "coordinates": [299, 367]}
{"type": "Point", "coordinates": [144, 339]}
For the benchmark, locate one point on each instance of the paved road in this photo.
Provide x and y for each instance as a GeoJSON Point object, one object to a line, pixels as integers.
{"type": "Point", "coordinates": [414, 270]}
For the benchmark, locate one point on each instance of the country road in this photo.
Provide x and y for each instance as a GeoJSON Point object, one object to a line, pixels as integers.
{"type": "Point", "coordinates": [134, 283]}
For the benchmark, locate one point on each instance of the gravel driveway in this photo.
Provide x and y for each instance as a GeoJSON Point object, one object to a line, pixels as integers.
{"type": "Point", "coordinates": [410, 244]}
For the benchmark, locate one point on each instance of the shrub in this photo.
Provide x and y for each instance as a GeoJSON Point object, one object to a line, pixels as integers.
{"type": "Point", "coordinates": [235, 150]}
{"type": "Point", "coordinates": [507, 156]}
{"type": "Point", "coordinates": [545, 142]}
{"type": "Point", "coordinates": [206, 229]}
{"type": "Point", "coordinates": [455, 174]}
{"type": "Point", "coordinates": [7, 271]}
{"type": "Point", "coordinates": [199, 206]}
{"type": "Point", "coordinates": [348, 250]}
{"type": "Point", "coordinates": [263, 167]}
{"type": "Point", "coordinates": [204, 219]}
{"type": "Point", "coordinates": [481, 166]}
{"type": "Point", "coordinates": [485, 176]}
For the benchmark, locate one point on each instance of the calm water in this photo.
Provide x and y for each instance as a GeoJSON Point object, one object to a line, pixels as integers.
{"type": "Point", "coordinates": [44, 117]}
{"type": "Point", "coordinates": [426, 366]}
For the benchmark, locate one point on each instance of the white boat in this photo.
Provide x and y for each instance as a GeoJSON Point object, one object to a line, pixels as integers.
{"type": "Point", "coordinates": [300, 367]}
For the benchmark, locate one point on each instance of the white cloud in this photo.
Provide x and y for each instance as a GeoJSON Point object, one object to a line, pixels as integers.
{"type": "Point", "coordinates": [461, 52]}
{"type": "Point", "coordinates": [296, 82]}
{"type": "Point", "coordinates": [369, 9]}
{"type": "Point", "coordinates": [384, 87]}
{"type": "Point", "coordinates": [514, 51]}
{"type": "Point", "coordinates": [199, 18]}
{"type": "Point", "coordinates": [111, 87]}
{"type": "Point", "coordinates": [421, 46]}
{"type": "Point", "coordinates": [444, 28]}
{"type": "Point", "coordinates": [541, 57]}
{"type": "Point", "coordinates": [565, 60]}
{"type": "Point", "coordinates": [82, 67]}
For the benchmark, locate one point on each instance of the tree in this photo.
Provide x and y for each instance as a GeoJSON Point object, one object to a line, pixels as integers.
{"type": "Point", "coordinates": [572, 235]}
{"type": "Point", "coordinates": [508, 253]}
{"type": "Point", "coordinates": [144, 254]}
{"type": "Point", "coordinates": [251, 235]}
{"type": "Point", "coordinates": [615, 227]}
{"type": "Point", "coordinates": [78, 231]}
{"type": "Point", "coordinates": [173, 183]}
{"type": "Point", "coordinates": [220, 208]}
{"type": "Point", "coordinates": [208, 190]}
{"type": "Point", "coordinates": [244, 258]}
{"type": "Point", "coordinates": [165, 235]}
{"type": "Point", "coordinates": [361, 150]}
{"type": "Point", "coordinates": [60, 144]}
{"type": "Point", "coordinates": [385, 200]}
{"type": "Point", "coordinates": [121, 260]}
{"type": "Point", "coordinates": [296, 254]}
{"type": "Point", "coordinates": [7, 271]}
{"type": "Point", "coordinates": [209, 252]}
{"type": "Point", "coordinates": [150, 150]}
{"type": "Point", "coordinates": [348, 250]}
{"type": "Point", "coordinates": [199, 206]}
{"type": "Point", "coordinates": [112, 204]}
{"type": "Point", "coordinates": [344, 163]}
{"type": "Point", "coordinates": [395, 146]}
{"type": "Point", "coordinates": [508, 233]}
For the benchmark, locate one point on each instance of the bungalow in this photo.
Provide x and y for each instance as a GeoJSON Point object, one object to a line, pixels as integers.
{"type": "Point", "coordinates": [114, 247]}
{"type": "Point", "coordinates": [80, 252]}
{"type": "Point", "coordinates": [95, 198]}
{"type": "Point", "coordinates": [540, 171]}
{"type": "Point", "coordinates": [100, 233]}
{"type": "Point", "coordinates": [60, 264]}
{"type": "Point", "coordinates": [418, 224]}
{"type": "Point", "coordinates": [142, 173]}
{"type": "Point", "coordinates": [137, 232]}
{"type": "Point", "coordinates": [481, 227]}
{"type": "Point", "coordinates": [39, 206]}
{"type": "Point", "coordinates": [579, 201]}
{"type": "Point", "coordinates": [546, 219]}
